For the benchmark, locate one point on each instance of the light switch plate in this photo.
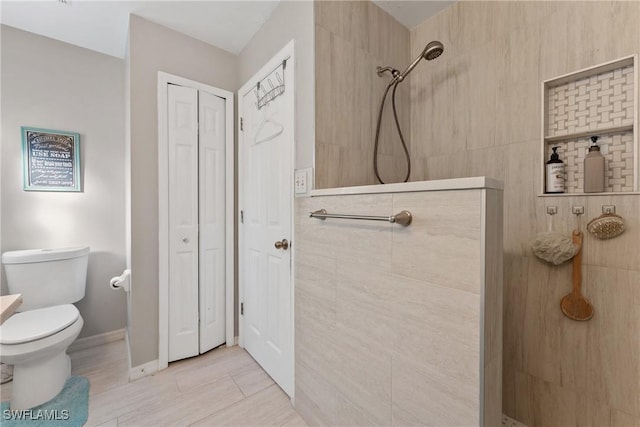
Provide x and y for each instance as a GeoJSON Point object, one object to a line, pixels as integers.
{"type": "Point", "coordinates": [302, 181]}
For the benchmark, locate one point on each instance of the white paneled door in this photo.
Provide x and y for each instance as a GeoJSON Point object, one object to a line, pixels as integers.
{"type": "Point", "coordinates": [266, 169]}
{"type": "Point", "coordinates": [212, 172]}
{"type": "Point", "coordinates": [196, 136]}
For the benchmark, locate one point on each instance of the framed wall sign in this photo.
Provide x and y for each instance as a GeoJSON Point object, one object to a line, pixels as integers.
{"type": "Point", "coordinates": [50, 160]}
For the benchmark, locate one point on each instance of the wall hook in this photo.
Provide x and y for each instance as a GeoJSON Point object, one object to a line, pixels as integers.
{"type": "Point", "coordinates": [608, 209]}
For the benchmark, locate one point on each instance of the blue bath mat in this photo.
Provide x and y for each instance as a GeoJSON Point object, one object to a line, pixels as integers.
{"type": "Point", "coordinates": [70, 408]}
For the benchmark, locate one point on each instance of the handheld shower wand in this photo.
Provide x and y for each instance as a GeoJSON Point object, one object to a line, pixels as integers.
{"type": "Point", "coordinates": [431, 51]}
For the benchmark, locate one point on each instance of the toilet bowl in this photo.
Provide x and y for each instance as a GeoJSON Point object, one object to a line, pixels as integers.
{"type": "Point", "coordinates": [35, 340]}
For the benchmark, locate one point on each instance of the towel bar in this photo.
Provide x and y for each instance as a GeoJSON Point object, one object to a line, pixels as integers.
{"type": "Point", "coordinates": [402, 218]}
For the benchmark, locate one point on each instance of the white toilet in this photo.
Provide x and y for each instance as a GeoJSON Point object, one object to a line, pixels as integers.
{"type": "Point", "coordinates": [35, 340]}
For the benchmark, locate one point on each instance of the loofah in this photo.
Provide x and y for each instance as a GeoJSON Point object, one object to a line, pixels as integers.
{"type": "Point", "coordinates": [606, 226]}
{"type": "Point", "coordinates": [555, 248]}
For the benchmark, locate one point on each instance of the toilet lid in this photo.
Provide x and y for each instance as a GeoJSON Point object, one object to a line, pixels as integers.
{"type": "Point", "coordinates": [36, 324]}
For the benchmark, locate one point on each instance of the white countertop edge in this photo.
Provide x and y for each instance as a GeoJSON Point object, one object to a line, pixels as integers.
{"type": "Point", "coordinates": [478, 182]}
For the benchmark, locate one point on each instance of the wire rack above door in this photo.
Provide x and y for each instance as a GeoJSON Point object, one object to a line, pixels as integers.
{"type": "Point", "coordinates": [271, 86]}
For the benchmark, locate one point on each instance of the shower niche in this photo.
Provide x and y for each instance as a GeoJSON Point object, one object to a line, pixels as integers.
{"type": "Point", "coordinates": [597, 101]}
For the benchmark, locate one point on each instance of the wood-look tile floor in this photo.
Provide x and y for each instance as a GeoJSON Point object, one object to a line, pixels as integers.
{"type": "Point", "coordinates": [224, 387]}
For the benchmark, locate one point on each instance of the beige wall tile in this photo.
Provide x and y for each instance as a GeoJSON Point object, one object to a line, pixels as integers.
{"type": "Point", "coordinates": [363, 373]}
{"type": "Point", "coordinates": [551, 405]}
{"type": "Point", "coordinates": [517, 81]}
{"type": "Point", "coordinates": [402, 418]}
{"type": "Point", "coordinates": [365, 334]}
{"type": "Point", "coordinates": [430, 324]}
{"type": "Point", "coordinates": [489, 162]}
{"type": "Point", "coordinates": [613, 359]}
{"type": "Point", "coordinates": [445, 230]}
{"type": "Point", "coordinates": [316, 398]}
{"type": "Point", "coordinates": [428, 395]}
{"type": "Point", "coordinates": [521, 204]}
{"type": "Point", "coordinates": [621, 419]}
{"type": "Point", "coordinates": [353, 38]}
{"type": "Point", "coordinates": [493, 275]}
{"type": "Point", "coordinates": [346, 239]}
{"type": "Point", "coordinates": [508, 389]}
{"type": "Point", "coordinates": [323, 98]}
{"type": "Point", "coordinates": [551, 340]}
{"type": "Point", "coordinates": [493, 393]}
{"type": "Point", "coordinates": [492, 300]}
{"type": "Point", "coordinates": [446, 166]}
{"type": "Point", "coordinates": [523, 409]}
{"type": "Point", "coordinates": [315, 288]}
{"type": "Point", "coordinates": [592, 413]}
{"type": "Point", "coordinates": [516, 281]}
{"type": "Point", "coordinates": [327, 157]}
{"type": "Point", "coordinates": [589, 40]}
{"type": "Point", "coordinates": [342, 91]}
{"type": "Point", "coordinates": [356, 167]}
{"type": "Point", "coordinates": [480, 124]}
{"type": "Point", "coordinates": [621, 252]}
{"type": "Point", "coordinates": [316, 348]}
{"type": "Point", "coordinates": [350, 414]}
{"type": "Point", "coordinates": [335, 17]}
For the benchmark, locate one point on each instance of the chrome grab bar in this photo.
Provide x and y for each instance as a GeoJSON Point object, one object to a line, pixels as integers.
{"type": "Point", "coordinates": [402, 218]}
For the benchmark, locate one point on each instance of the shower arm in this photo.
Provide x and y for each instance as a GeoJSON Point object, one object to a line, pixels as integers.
{"type": "Point", "coordinates": [394, 73]}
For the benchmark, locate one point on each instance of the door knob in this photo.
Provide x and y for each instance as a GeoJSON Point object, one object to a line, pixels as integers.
{"type": "Point", "coordinates": [282, 244]}
{"type": "Point", "coordinates": [185, 239]}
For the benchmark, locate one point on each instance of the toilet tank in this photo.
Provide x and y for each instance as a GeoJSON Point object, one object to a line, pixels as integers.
{"type": "Point", "coordinates": [47, 277]}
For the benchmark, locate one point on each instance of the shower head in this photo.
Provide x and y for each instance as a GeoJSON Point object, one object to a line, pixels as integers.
{"type": "Point", "coordinates": [432, 50]}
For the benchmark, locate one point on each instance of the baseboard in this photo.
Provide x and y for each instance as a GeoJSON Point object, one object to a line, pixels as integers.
{"type": "Point", "coordinates": [95, 340]}
{"type": "Point", "coordinates": [143, 370]}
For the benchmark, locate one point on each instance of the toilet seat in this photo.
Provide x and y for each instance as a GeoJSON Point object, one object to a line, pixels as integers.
{"type": "Point", "coordinates": [33, 325]}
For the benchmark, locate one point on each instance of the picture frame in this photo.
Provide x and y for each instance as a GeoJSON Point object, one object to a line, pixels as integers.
{"type": "Point", "coordinates": [50, 160]}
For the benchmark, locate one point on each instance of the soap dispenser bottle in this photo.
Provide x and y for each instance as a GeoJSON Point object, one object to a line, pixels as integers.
{"type": "Point", "coordinates": [555, 173]}
{"type": "Point", "coordinates": [594, 169]}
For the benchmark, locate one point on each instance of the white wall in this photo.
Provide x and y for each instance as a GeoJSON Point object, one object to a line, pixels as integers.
{"type": "Point", "coordinates": [154, 48]}
{"type": "Point", "coordinates": [54, 85]}
{"type": "Point", "coordinates": [290, 20]}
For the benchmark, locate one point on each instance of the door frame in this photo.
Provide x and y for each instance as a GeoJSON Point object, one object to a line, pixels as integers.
{"type": "Point", "coordinates": [287, 52]}
{"type": "Point", "coordinates": [165, 79]}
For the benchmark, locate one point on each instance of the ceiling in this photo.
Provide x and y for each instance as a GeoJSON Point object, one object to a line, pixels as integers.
{"type": "Point", "coordinates": [411, 13]}
{"type": "Point", "coordinates": [102, 25]}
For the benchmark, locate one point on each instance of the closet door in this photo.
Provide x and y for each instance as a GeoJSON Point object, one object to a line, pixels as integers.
{"type": "Point", "coordinates": [183, 222]}
{"type": "Point", "coordinates": [212, 221]}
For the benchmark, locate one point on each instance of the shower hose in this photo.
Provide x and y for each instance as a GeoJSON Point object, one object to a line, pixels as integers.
{"type": "Point", "coordinates": [393, 83]}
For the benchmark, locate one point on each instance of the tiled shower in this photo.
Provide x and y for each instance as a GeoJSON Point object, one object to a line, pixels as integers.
{"type": "Point", "coordinates": [477, 111]}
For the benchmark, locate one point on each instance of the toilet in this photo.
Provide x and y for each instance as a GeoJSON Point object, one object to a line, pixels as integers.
{"type": "Point", "coordinates": [36, 338]}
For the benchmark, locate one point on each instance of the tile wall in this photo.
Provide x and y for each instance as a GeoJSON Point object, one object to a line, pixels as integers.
{"type": "Point", "coordinates": [482, 106]}
{"type": "Point", "coordinates": [390, 323]}
{"type": "Point", "coordinates": [352, 39]}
